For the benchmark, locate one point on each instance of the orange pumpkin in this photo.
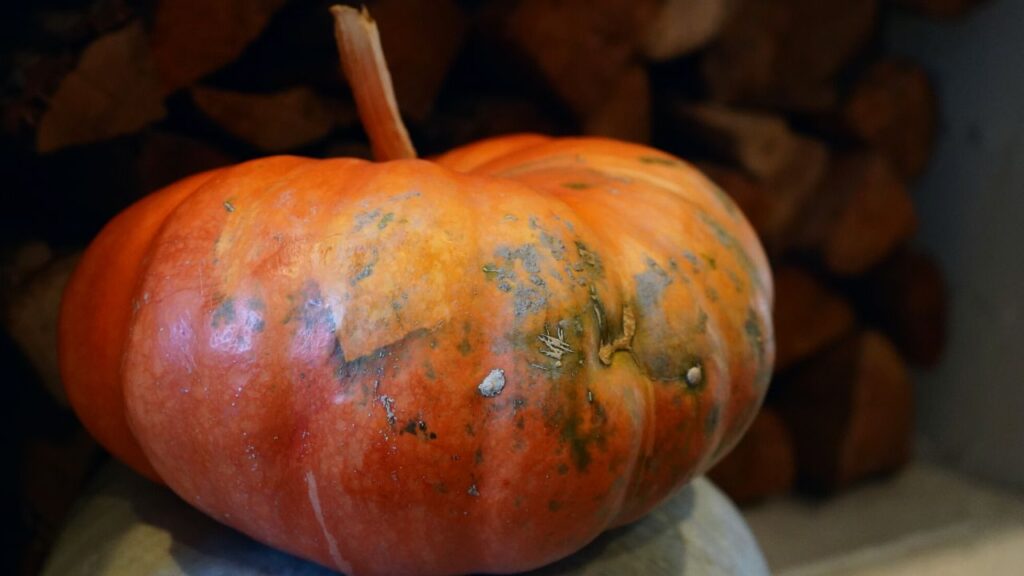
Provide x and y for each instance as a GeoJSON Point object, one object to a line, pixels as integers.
{"type": "Point", "coordinates": [474, 364]}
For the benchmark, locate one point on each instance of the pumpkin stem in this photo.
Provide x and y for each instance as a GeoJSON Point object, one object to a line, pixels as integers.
{"type": "Point", "coordinates": [362, 61]}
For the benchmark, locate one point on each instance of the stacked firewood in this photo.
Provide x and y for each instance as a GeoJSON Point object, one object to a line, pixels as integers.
{"type": "Point", "coordinates": [791, 106]}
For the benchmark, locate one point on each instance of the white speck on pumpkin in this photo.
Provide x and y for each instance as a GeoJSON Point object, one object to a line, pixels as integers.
{"type": "Point", "coordinates": [694, 375]}
{"type": "Point", "coordinates": [493, 383]}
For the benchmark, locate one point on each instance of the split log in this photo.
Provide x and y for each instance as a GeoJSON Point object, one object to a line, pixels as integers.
{"type": "Point", "coordinates": [473, 118]}
{"type": "Point", "coordinates": [789, 166]}
{"type": "Point", "coordinates": [761, 143]}
{"type": "Point", "coordinates": [421, 39]}
{"type": "Point", "coordinates": [761, 465]}
{"type": "Point", "coordinates": [850, 411]}
{"type": "Point", "coordinates": [682, 26]}
{"type": "Point", "coordinates": [274, 122]}
{"type": "Point", "coordinates": [859, 216]}
{"type": "Point", "coordinates": [165, 158]}
{"type": "Point", "coordinates": [907, 297]}
{"type": "Point", "coordinates": [892, 108]}
{"type": "Point", "coordinates": [192, 38]}
{"type": "Point", "coordinates": [626, 113]}
{"type": "Point", "coordinates": [787, 53]}
{"type": "Point", "coordinates": [114, 89]}
{"type": "Point", "coordinates": [752, 197]}
{"type": "Point", "coordinates": [808, 317]}
{"type": "Point", "coordinates": [581, 47]}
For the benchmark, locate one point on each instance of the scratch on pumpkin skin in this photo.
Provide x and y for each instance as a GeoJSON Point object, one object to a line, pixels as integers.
{"type": "Point", "coordinates": [332, 544]}
{"type": "Point", "coordinates": [555, 346]}
{"type": "Point", "coordinates": [389, 408]}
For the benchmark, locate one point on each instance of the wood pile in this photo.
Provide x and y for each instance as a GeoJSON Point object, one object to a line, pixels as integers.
{"type": "Point", "coordinates": [789, 105]}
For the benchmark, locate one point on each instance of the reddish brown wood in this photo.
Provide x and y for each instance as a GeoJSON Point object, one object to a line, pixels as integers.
{"type": "Point", "coordinates": [113, 90]}
{"type": "Point", "coordinates": [166, 157]}
{"type": "Point", "coordinates": [420, 39]}
{"type": "Point", "coordinates": [759, 142]}
{"type": "Point", "coordinates": [859, 215]}
{"type": "Point", "coordinates": [192, 38]}
{"type": "Point", "coordinates": [761, 465]}
{"type": "Point", "coordinates": [808, 316]}
{"type": "Point", "coordinates": [682, 26]}
{"type": "Point", "coordinates": [907, 297]}
{"type": "Point", "coordinates": [752, 197]}
{"type": "Point", "coordinates": [786, 53]}
{"type": "Point", "coordinates": [788, 165]}
{"type": "Point", "coordinates": [581, 47]}
{"type": "Point", "coordinates": [626, 113]}
{"type": "Point", "coordinates": [277, 121]}
{"type": "Point", "coordinates": [892, 108]}
{"type": "Point", "coordinates": [851, 412]}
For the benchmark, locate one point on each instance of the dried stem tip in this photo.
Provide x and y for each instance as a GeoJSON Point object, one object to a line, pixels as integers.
{"type": "Point", "coordinates": [362, 61]}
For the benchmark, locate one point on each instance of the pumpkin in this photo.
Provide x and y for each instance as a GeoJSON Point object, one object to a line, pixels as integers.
{"type": "Point", "coordinates": [471, 364]}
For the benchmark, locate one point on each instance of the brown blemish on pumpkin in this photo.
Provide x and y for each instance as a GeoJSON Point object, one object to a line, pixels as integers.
{"type": "Point", "coordinates": [229, 206]}
{"type": "Point", "coordinates": [711, 420]}
{"type": "Point", "coordinates": [702, 321]}
{"type": "Point", "coordinates": [659, 160]}
{"type": "Point", "coordinates": [580, 442]}
{"type": "Point", "coordinates": [418, 427]}
{"type": "Point", "coordinates": [588, 257]}
{"type": "Point", "coordinates": [576, 185]}
{"type": "Point", "coordinates": [711, 293]}
{"type": "Point", "coordinates": [624, 341]}
{"type": "Point", "coordinates": [755, 337]}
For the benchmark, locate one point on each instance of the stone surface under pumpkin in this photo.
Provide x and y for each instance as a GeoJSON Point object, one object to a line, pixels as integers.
{"type": "Point", "coordinates": [125, 525]}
